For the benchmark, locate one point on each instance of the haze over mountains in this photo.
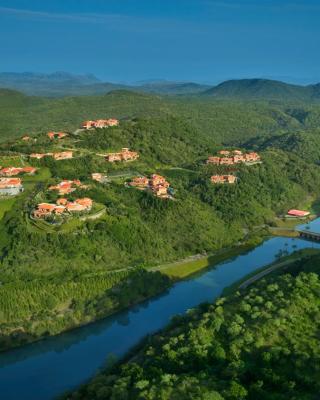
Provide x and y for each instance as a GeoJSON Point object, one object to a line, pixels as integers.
{"type": "Point", "coordinates": [60, 84]}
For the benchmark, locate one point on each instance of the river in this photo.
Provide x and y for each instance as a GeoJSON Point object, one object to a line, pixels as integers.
{"type": "Point", "coordinates": [46, 369]}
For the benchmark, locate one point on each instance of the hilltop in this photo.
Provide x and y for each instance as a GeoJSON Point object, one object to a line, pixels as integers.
{"type": "Point", "coordinates": [253, 89]}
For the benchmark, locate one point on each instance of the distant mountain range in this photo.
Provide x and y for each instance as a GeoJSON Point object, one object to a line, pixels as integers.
{"type": "Point", "coordinates": [61, 84]}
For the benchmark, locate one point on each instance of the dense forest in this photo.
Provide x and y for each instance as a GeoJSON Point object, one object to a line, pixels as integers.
{"type": "Point", "coordinates": [54, 277]}
{"type": "Point", "coordinates": [261, 343]}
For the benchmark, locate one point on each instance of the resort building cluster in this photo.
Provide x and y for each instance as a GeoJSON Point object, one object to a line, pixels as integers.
{"type": "Point", "coordinates": [13, 171]}
{"type": "Point", "coordinates": [10, 186]}
{"type": "Point", "coordinates": [221, 179]}
{"type": "Point", "coordinates": [62, 206]}
{"type": "Point", "coordinates": [64, 155]}
{"type": "Point", "coordinates": [124, 155]}
{"type": "Point", "coordinates": [68, 186]}
{"type": "Point", "coordinates": [56, 135]}
{"type": "Point", "coordinates": [227, 157]}
{"type": "Point", "coordinates": [156, 183]}
{"type": "Point", "coordinates": [100, 123]}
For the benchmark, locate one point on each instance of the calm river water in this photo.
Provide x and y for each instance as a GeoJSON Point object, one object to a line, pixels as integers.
{"type": "Point", "coordinates": [44, 370]}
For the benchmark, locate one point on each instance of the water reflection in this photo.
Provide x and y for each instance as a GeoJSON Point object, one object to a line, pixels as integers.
{"type": "Point", "coordinates": [45, 369]}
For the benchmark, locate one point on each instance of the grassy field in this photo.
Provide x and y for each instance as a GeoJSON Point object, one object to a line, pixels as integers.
{"type": "Point", "coordinates": [6, 205]}
{"type": "Point", "coordinates": [11, 161]}
{"type": "Point", "coordinates": [182, 269]}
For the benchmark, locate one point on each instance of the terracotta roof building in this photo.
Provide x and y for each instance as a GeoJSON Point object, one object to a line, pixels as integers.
{"type": "Point", "coordinates": [221, 179]}
{"type": "Point", "coordinates": [64, 155]}
{"type": "Point", "coordinates": [10, 186]}
{"type": "Point", "coordinates": [298, 213]}
{"type": "Point", "coordinates": [62, 206]}
{"type": "Point", "coordinates": [100, 123]}
{"type": "Point", "coordinates": [124, 155]}
{"type": "Point", "coordinates": [58, 135]}
{"type": "Point", "coordinates": [12, 171]}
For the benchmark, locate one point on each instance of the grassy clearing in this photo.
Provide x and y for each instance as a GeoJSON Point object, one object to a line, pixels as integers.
{"type": "Point", "coordinates": [6, 205]}
{"type": "Point", "coordinates": [185, 268]}
{"type": "Point", "coordinates": [287, 232]}
{"type": "Point", "coordinates": [11, 161]}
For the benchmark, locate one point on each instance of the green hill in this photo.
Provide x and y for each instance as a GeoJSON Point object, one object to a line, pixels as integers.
{"type": "Point", "coordinates": [251, 89]}
{"type": "Point", "coordinates": [225, 121]}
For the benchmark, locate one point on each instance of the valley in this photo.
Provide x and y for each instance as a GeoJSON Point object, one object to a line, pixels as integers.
{"type": "Point", "coordinates": [110, 201]}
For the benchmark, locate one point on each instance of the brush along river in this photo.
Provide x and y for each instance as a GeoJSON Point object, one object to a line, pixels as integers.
{"type": "Point", "coordinates": [46, 369]}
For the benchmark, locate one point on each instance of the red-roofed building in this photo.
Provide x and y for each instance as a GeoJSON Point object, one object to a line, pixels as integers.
{"type": "Point", "coordinates": [298, 213]}
{"type": "Point", "coordinates": [252, 157]}
{"type": "Point", "coordinates": [213, 160]}
{"type": "Point", "coordinates": [100, 123]}
{"type": "Point", "coordinates": [64, 155]}
{"type": "Point", "coordinates": [226, 161]}
{"type": "Point", "coordinates": [221, 179]}
{"type": "Point", "coordinates": [140, 182]}
{"type": "Point", "coordinates": [124, 155]}
{"type": "Point", "coordinates": [10, 186]}
{"type": "Point", "coordinates": [62, 201]}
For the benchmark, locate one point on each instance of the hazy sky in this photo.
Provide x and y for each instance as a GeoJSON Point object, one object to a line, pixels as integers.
{"type": "Point", "coordinates": [129, 40]}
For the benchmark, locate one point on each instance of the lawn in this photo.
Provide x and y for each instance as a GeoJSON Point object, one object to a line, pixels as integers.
{"type": "Point", "coordinates": [5, 205]}
{"type": "Point", "coordinates": [182, 269]}
{"type": "Point", "coordinates": [11, 161]}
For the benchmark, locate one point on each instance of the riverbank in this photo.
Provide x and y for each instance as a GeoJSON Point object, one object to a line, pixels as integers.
{"type": "Point", "coordinates": [283, 263]}
{"type": "Point", "coordinates": [111, 338]}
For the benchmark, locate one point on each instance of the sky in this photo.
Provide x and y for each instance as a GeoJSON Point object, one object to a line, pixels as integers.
{"type": "Point", "coordinates": [186, 40]}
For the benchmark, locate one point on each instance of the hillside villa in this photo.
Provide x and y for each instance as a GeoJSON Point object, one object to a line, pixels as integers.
{"type": "Point", "coordinates": [62, 206]}
{"type": "Point", "coordinates": [26, 138]}
{"type": "Point", "coordinates": [13, 171]}
{"type": "Point", "coordinates": [67, 186]}
{"type": "Point", "coordinates": [233, 157]}
{"type": "Point", "coordinates": [124, 155]}
{"type": "Point", "coordinates": [56, 135]}
{"type": "Point", "coordinates": [298, 213]}
{"type": "Point", "coordinates": [64, 155]}
{"type": "Point", "coordinates": [10, 186]}
{"type": "Point", "coordinates": [100, 123]}
{"type": "Point", "coordinates": [221, 179]}
{"type": "Point", "coordinates": [157, 184]}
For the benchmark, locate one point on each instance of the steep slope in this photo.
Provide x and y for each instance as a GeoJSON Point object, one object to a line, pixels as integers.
{"type": "Point", "coordinates": [304, 144]}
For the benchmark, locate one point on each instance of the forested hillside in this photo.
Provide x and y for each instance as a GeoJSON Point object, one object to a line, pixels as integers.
{"type": "Point", "coordinates": [266, 89]}
{"type": "Point", "coordinates": [262, 343]}
{"type": "Point", "coordinates": [57, 277]}
{"type": "Point", "coordinates": [226, 122]}
{"type": "Point", "coordinates": [61, 273]}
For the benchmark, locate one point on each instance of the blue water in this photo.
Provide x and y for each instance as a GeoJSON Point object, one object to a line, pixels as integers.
{"type": "Point", "coordinates": [313, 226]}
{"type": "Point", "coordinates": [45, 369]}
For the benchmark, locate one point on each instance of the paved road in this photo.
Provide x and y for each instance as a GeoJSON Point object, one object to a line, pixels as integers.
{"type": "Point", "coordinates": [263, 273]}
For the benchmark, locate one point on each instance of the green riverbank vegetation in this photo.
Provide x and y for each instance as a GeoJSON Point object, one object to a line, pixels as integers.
{"type": "Point", "coordinates": [85, 264]}
{"type": "Point", "coordinates": [261, 343]}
